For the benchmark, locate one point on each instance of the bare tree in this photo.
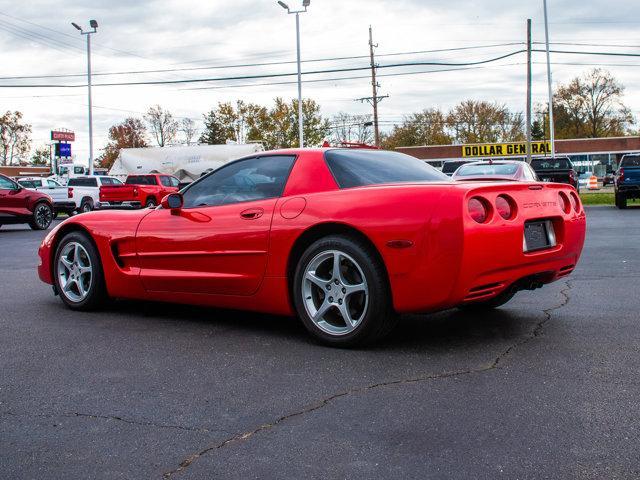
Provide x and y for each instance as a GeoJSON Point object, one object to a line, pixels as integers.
{"type": "Point", "coordinates": [351, 128]}
{"type": "Point", "coordinates": [164, 128]}
{"type": "Point", "coordinates": [15, 141]}
{"type": "Point", "coordinates": [188, 129]}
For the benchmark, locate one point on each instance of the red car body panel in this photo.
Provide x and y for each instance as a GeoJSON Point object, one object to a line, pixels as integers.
{"type": "Point", "coordinates": [16, 206]}
{"type": "Point", "coordinates": [215, 256]}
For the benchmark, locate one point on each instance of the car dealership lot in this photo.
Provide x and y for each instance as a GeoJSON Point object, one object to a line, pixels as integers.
{"type": "Point", "coordinates": [545, 387]}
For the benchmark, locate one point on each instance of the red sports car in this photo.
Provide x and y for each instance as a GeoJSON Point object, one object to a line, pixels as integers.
{"type": "Point", "coordinates": [498, 170]}
{"type": "Point", "coordinates": [344, 238]}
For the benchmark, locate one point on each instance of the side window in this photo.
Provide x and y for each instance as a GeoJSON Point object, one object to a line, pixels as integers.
{"type": "Point", "coordinates": [6, 184]}
{"type": "Point", "coordinates": [174, 182]}
{"type": "Point", "coordinates": [52, 184]}
{"type": "Point", "coordinates": [106, 181]}
{"type": "Point", "coordinates": [166, 181]}
{"type": "Point", "coordinates": [241, 181]}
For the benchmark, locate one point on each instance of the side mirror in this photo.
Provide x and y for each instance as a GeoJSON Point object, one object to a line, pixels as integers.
{"type": "Point", "coordinates": [173, 201]}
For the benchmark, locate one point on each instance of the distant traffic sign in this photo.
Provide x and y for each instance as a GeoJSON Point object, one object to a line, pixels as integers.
{"type": "Point", "coordinates": [63, 149]}
{"type": "Point", "coordinates": [64, 136]}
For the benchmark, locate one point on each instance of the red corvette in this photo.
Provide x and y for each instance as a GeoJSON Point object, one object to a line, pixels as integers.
{"type": "Point", "coordinates": [344, 238]}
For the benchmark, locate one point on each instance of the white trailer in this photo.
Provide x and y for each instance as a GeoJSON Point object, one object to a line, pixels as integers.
{"type": "Point", "coordinates": [185, 162]}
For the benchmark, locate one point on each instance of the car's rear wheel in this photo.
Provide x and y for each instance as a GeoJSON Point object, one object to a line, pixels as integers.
{"type": "Point", "coordinates": [341, 292]}
{"type": "Point", "coordinates": [151, 202]}
{"type": "Point", "coordinates": [78, 273]}
{"type": "Point", "coordinates": [42, 216]}
{"type": "Point", "coordinates": [621, 201]}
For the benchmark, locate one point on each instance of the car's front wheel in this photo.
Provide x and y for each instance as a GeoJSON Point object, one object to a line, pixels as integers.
{"type": "Point", "coordinates": [42, 216]}
{"type": "Point", "coordinates": [341, 292]}
{"type": "Point", "coordinates": [78, 272]}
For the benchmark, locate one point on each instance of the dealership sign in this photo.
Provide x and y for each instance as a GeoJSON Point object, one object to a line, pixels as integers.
{"type": "Point", "coordinates": [63, 136]}
{"type": "Point", "coordinates": [505, 149]}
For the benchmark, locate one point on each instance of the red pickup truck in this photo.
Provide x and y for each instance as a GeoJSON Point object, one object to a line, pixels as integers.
{"type": "Point", "coordinates": [137, 191]}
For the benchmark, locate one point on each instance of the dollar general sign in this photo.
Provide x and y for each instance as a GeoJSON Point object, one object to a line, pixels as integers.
{"type": "Point", "coordinates": [505, 149]}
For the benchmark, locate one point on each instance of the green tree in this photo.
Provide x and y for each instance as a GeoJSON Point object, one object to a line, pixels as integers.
{"type": "Point", "coordinates": [473, 121]}
{"type": "Point", "coordinates": [591, 106]}
{"type": "Point", "coordinates": [129, 134]}
{"type": "Point", "coordinates": [15, 138]}
{"type": "Point", "coordinates": [41, 156]}
{"type": "Point", "coordinates": [428, 127]}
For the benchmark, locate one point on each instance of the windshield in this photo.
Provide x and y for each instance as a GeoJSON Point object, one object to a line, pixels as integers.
{"type": "Point", "coordinates": [357, 168]}
{"type": "Point", "coordinates": [450, 167]}
{"type": "Point", "coordinates": [630, 161]}
{"type": "Point", "coordinates": [551, 164]}
{"type": "Point", "coordinates": [141, 180]}
{"type": "Point", "coordinates": [487, 169]}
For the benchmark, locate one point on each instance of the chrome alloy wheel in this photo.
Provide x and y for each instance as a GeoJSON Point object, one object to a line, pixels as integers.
{"type": "Point", "coordinates": [336, 295]}
{"type": "Point", "coordinates": [74, 272]}
{"type": "Point", "coordinates": [43, 216]}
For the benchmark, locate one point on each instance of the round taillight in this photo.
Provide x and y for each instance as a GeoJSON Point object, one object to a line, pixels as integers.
{"type": "Point", "coordinates": [505, 207]}
{"type": "Point", "coordinates": [478, 210]}
{"type": "Point", "coordinates": [565, 204]}
{"type": "Point", "coordinates": [575, 202]}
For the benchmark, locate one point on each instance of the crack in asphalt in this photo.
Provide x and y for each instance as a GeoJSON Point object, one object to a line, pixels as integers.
{"type": "Point", "coordinates": [106, 417]}
{"type": "Point", "coordinates": [536, 332]}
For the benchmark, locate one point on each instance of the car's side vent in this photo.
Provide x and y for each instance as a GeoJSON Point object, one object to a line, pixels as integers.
{"type": "Point", "coordinates": [484, 291]}
{"type": "Point", "coordinates": [116, 255]}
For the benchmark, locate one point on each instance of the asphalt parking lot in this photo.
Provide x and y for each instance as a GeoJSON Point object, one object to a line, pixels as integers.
{"type": "Point", "coordinates": [546, 387]}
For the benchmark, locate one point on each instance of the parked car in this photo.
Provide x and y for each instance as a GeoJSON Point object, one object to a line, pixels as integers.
{"type": "Point", "coordinates": [450, 166]}
{"type": "Point", "coordinates": [85, 191]}
{"type": "Point", "coordinates": [344, 238]}
{"type": "Point", "coordinates": [22, 205]}
{"type": "Point", "coordinates": [138, 190]}
{"type": "Point", "coordinates": [490, 170]}
{"type": "Point", "coordinates": [608, 179]}
{"type": "Point", "coordinates": [555, 169]}
{"type": "Point", "coordinates": [627, 180]}
{"type": "Point", "coordinates": [57, 192]}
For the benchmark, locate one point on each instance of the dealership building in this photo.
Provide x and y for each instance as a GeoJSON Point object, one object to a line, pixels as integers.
{"type": "Point", "coordinates": [599, 155]}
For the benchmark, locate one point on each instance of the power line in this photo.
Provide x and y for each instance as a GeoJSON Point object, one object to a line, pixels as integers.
{"type": "Point", "coordinates": [270, 75]}
{"type": "Point", "coordinates": [258, 64]}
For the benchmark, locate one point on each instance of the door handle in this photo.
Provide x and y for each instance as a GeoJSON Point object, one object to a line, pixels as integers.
{"type": "Point", "coordinates": [251, 213]}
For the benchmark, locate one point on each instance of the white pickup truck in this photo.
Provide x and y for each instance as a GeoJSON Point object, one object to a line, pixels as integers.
{"type": "Point", "coordinates": [58, 193]}
{"type": "Point", "coordinates": [85, 191]}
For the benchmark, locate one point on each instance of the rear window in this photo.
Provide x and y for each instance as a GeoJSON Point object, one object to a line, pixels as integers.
{"type": "Point", "coordinates": [82, 182]}
{"type": "Point", "coordinates": [357, 168]}
{"type": "Point", "coordinates": [486, 169]}
{"type": "Point", "coordinates": [141, 180]}
{"type": "Point", "coordinates": [551, 164]}
{"type": "Point", "coordinates": [630, 161]}
{"type": "Point", "coordinates": [30, 183]}
{"type": "Point", "coordinates": [450, 167]}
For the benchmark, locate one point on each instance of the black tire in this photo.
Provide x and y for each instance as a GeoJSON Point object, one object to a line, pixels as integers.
{"type": "Point", "coordinates": [96, 291]}
{"type": "Point", "coordinates": [151, 202]}
{"type": "Point", "coordinates": [86, 206]}
{"type": "Point", "coordinates": [377, 317]}
{"type": "Point", "coordinates": [621, 201]}
{"type": "Point", "coordinates": [42, 216]}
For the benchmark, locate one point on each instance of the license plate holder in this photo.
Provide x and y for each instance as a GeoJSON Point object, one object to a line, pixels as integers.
{"type": "Point", "coordinates": [538, 235]}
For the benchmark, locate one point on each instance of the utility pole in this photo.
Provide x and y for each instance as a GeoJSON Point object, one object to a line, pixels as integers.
{"type": "Point", "coordinates": [528, 126]}
{"type": "Point", "coordinates": [94, 25]}
{"type": "Point", "coordinates": [546, 41]}
{"type": "Point", "coordinates": [374, 99]}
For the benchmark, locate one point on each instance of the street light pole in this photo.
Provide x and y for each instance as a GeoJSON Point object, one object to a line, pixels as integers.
{"type": "Point", "coordinates": [305, 4]}
{"type": "Point", "coordinates": [94, 26]}
{"type": "Point", "coordinates": [546, 41]}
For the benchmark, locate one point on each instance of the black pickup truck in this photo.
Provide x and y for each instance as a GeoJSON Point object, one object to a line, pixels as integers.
{"type": "Point", "coordinates": [556, 169]}
{"type": "Point", "coordinates": [627, 180]}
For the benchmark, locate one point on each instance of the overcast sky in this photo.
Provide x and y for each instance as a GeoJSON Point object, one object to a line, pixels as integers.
{"type": "Point", "coordinates": [36, 38]}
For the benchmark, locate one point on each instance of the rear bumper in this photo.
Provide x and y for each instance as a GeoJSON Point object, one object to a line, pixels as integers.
{"type": "Point", "coordinates": [129, 205]}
